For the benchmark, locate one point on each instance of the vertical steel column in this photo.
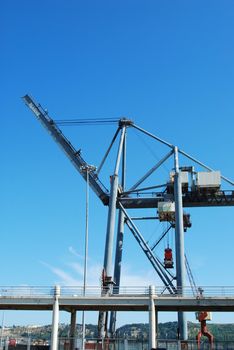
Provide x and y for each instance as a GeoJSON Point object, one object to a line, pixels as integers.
{"type": "Point", "coordinates": [55, 319]}
{"type": "Point", "coordinates": [179, 238]}
{"type": "Point", "coordinates": [117, 270]}
{"type": "Point", "coordinates": [152, 319]}
{"type": "Point", "coordinates": [72, 329]}
{"type": "Point", "coordinates": [111, 225]}
{"type": "Point", "coordinates": [119, 243]}
{"type": "Point", "coordinates": [112, 211]}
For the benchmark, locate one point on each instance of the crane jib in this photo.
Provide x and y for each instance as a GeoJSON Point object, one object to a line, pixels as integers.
{"type": "Point", "coordinates": [67, 147]}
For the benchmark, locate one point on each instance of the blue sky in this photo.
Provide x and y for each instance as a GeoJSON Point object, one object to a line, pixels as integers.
{"type": "Point", "coordinates": [167, 65]}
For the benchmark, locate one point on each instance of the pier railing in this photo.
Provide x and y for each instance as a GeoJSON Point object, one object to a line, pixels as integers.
{"type": "Point", "coordinates": [121, 343]}
{"type": "Point", "coordinates": [95, 291]}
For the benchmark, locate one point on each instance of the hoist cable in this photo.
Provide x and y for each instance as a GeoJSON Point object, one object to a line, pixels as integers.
{"type": "Point", "coordinates": [86, 121]}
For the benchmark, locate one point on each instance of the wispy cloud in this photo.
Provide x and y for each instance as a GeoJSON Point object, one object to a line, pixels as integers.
{"type": "Point", "coordinates": [74, 252]}
{"type": "Point", "coordinates": [65, 277]}
{"type": "Point", "coordinates": [145, 277]}
{"type": "Point", "coordinates": [93, 272]}
{"type": "Point", "coordinates": [78, 268]}
{"type": "Point", "coordinates": [72, 274]}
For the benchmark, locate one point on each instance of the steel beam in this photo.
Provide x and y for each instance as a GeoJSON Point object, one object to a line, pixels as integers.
{"type": "Point", "coordinates": [190, 200]}
{"type": "Point", "coordinates": [204, 166]}
{"type": "Point", "coordinates": [153, 136]}
{"type": "Point", "coordinates": [67, 147]}
{"type": "Point", "coordinates": [119, 242]}
{"type": "Point", "coordinates": [162, 273]}
{"type": "Point", "coordinates": [107, 266]}
{"type": "Point", "coordinates": [154, 168]}
{"type": "Point", "coordinates": [112, 211]}
{"type": "Point", "coordinates": [107, 152]}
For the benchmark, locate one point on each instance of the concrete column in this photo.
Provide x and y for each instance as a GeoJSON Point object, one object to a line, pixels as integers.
{"type": "Point", "coordinates": [126, 343]}
{"type": "Point", "coordinates": [55, 319]}
{"type": "Point", "coordinates": [152, 319]}
{"type": "Point", "coordinates": [7, 343]}
{"type": "Point", "coordinates": [72, 330]}
{"type": "Point", "coordinates": [29, 343]}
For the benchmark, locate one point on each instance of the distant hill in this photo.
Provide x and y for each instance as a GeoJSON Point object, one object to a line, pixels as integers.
{"type": "Point", "coordinates": [166, 330]}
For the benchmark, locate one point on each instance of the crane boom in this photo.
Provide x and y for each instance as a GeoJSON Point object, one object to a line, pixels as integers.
{"type": "Point", "coordinates": [74, 155]}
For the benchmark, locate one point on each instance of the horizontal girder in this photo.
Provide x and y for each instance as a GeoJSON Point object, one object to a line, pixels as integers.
{"type": "Point", "coordinates": [119, 303]}
{"type": "Point", "coordinates": [190, 199]}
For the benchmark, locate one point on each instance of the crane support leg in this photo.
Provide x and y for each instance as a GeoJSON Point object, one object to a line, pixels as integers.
{"type": "Point", "coordinates": [112, 212]}
{"type": "Point", "coordinates": [109, 248]}
{"type": "Point", "coordinates": [72, 330]}
{"type": "Point", "coordinates": [119, 242]}
{"type": "Point", "coordinates": [179, 238]}
{"type": "Point", "coordinates": [117, 270]}
{"type": "Point", "coordinates": [110, 232]}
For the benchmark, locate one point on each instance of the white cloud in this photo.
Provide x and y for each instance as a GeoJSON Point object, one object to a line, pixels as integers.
{"type": "Point", "coordinates": [72, 274]}
{"type": "Point", "coordinates": [74, 252]}
{"type": "Point", "coordinates": [64, 277]}
{"type": "Point", "coordinates": [77, 267]}
{"type": "Point", "coordinates": [140, 278]}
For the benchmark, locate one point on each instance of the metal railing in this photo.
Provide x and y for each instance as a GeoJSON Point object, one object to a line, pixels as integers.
{"type": "Point", "coordinates": [95, 291]}
{"type": "Point", "coordinates": [119, 343]}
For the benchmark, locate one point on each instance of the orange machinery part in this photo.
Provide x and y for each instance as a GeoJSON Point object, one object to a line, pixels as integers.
{"type": "Point", "coordinates": [204, 331]}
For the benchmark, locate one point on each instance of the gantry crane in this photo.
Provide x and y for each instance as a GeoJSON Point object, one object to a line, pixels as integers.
{"type": "Point", "coordinates": [117, 197]}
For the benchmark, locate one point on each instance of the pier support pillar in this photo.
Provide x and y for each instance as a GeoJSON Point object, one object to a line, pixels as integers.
{"type": "Point", "coordinates": [55, 319]}
{"type": "Point", "coordinates": [72, 329]}
{"type": "Point", "coordinates": [152, 319]}
{"type": "Point", "coordinates": [28, 342]}
{"type": "Point", "coordinates": [125, 343]}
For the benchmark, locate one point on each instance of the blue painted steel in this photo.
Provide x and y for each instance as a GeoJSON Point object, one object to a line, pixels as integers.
{"type": "Point", "coordinates": [179, 239]}
{"type": "Point", "coordinates": [119, 242]}
{"type": "Point", "coordinates": [111, 227]}
{"type": "Point", "coordinates": [112, 211]}
{"type": "Point", "coordinates": [74, 155]}
{"type": "Point", "coordinates": [155, 167]}
{"type": "Point", "coordinates": [161, 271]}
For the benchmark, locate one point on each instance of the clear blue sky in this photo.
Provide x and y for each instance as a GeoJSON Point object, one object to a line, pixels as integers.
{"type": "Point", "coordinates": [168, 65]}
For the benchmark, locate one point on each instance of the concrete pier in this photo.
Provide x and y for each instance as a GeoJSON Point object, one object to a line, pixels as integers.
{"type": "Point", "coordinates": [55, 319]}
{"type": "Point", "coordinates": [152, 320]}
